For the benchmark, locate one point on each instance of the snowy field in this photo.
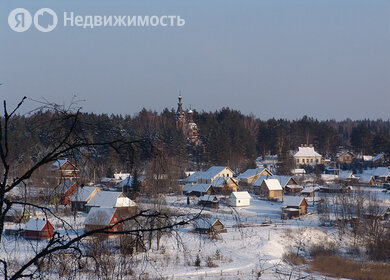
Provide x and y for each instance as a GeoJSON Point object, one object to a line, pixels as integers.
{"type": "Point", "coordinates": [253, 245]}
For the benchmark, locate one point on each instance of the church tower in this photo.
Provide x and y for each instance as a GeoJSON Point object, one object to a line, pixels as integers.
{"type": "Point", "coordinates": [180, 116]}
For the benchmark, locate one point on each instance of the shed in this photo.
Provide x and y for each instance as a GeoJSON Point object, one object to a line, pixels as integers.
{"type": "Point", "coordinates": [295, 202]}
{"type": "Point", "coordinates": [209, 201]}
{"type": "Point", "coordinates": [38, 229]}
{"type": "Point", "coordinates": [210, 226]}
{"type": "Point", "coordinates": [240, 199]}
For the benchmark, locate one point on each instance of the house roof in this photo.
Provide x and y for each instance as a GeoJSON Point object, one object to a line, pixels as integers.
{"type": "Point", "coordinates": [365, 178]}
{"type": "Point", "coordinates": [292, 201]}
{"type": "Point", "coordinates": [65, 185]}
{"type": "Point", "coordinates": [211, 172]}
{"type": "Point", "coordinates": [273, 184]}
{"type": "Point", "coordinates": [306, 152]}
{"type": "Point", "coordinates": [378, 172]}
{"type": "Point", "coordinates": [209, 198]}
{"type": "Point", "coordinates": [309, 189]}
{"type": "Point", "coordinates": [99, 216]}
{"type": "Point", "coordinates": [198, 188]}
{"type": "Point", "coordinates": [298, 171]}
{"type": "Point", "coordinates": [193, 177]}
{"type": "Point", "coordinates": [83, 193]}
{"type": "Point", "coordinates": [345, 174]}
{"type": "Point", "coordinates": [241, 195]}
{"type": "Point", "coordinates": [109, 199]}
{"type": "Point", "coordinates": [344, 153]}
{"type": "Point", "coordinates": [377, 157]}
{"type": "Point", "coordinates": [59, 163]}
{"type": "Point", "coordinates": [206, 223]}
{"type": "Point", "coordinates": [128, 181]}
{"type": "Point", "coordinates": [251, 172]}
{"type": "Point", "coordinates": [35, 224]}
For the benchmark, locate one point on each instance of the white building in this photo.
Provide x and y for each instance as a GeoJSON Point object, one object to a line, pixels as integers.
{"type": "Point", "coordinates": [306, 155]}
{"type": "Point", "coordinates": [240, 199]}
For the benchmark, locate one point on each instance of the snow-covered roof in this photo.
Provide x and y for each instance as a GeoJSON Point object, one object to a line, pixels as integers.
{"type": "Point", "coordinates": [211, 172]}
{"type": "Point", "coordinates": [273, 184]}
{"type": "Point", "coordinates": [298, 171]}
{"type": "Point", "coordinates": [289, 201]}
{"type": "Point", "coordinates": [99, 216]}
{"type": "Point", "coordinates": [306, 152]}
{"type": "Point", "coordinates": [35, 224]}
{"type": "Point", "coordinates": [283, 180]}
{"type": "Point", "coordinates": [128, 181]}
{"type": "Point", "coordinates": [209, 198]}
{"type": "Point", "coordinates": [206, 223]}
{"type": "Point", "coordinates": [219, 182]}
{"type": "Point", "coordinates": [377, 172]}
{"type": "Point", "coordinates": [367, 158]}
{"type": "Point", "coordinates": [198, 188]}
{"type": "Point", "coordinates": [108, 199]}
{"type": "Point", "coordinates": [250, 173]}
{"type": "Point", "coordinates": [193, 177]}
{"type": "Point", "coordinates": [345, 174]}
{"type": "Point", "coordinates": [59, 163]}
{"type": "Point", "coordinates": [309, 190]}
{"type": "Point", "coordinates": [377, 157]}
{"type": "Point", "coordinates": [344, 153]}
{"type": "Point", "coordinates": [65, 185]}
{"type": "Point", "coordinates": [83, 193]}
{"type": "Point", "coordinates": [241, 195]}
{"type": "Point", "coordinates": [364, 178]}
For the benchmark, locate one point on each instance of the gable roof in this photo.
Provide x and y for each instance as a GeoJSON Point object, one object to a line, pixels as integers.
{"type": "Point", "coordinates": [208, 197]}
{"type": "Point", "coordinates": [273, 184]}
{"type": "Point", "coordinates": [241, 195]}
{"type": "Point", "coordinates": [35, 224]}
{"type": "Point", "coordinates": [193, 177]}
{"type": "Point", "coordinates": [128, 181]}
{"type": "Point", "coordinates": [59, 163]}
{"type": "Point", "coordinates": [345, 174]}
{"type": "Point", "coordinates": [212, 172]}
{"type": "Point", "coordinates": [378, 172]}
{"type": "Point", "coordinates": [365, 178]}
{"type": "Point", "coordinates": [309, 189]}
{"type": "Point", "coordinates": [292, 201]}
{"type": "Point", "coordinates": [306, 152]}
{"type": "Point", "coordinates": [99, 216]}
{"type": "Point", "coordinates": [83, 193]}
{"type": "Point", "coordinates": [65, 185]}
{"type": "Point", "coordinates": [206, 223]}
{"type": "Point", "coordinates": [198, 188]}
{"type": "Point", "coordinates": [344, 153]}
{"type": "Point", "coordinates": [283, 180]}
{"type": "Point", "coordinates": [252, 172]}
{"type": "Point", "coordinates": [107, 199]}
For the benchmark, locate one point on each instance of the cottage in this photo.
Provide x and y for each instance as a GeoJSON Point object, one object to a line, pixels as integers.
{"type": "Point", "coordinates": [251, 175]}
{"type": "Point", "coordinates": [346, 176]}
{"type": "Point", "coordinates": [210, 227]}
{"type": "Point", "coordinates": [197, 189]}
{"type": "Point", "coordinates": [206, 177]}
{"type": "Point", "coordinates": [293, 203]}
{"type": "Point", "coordinates": [38, 229]}
{"type": "Point", "coordinates": [345, 157]}
{"type": "Point", "coordinates": [366, 180]}
{"type": "Point", "coordinates": [224, 185]}
{"type": "Point", "coordinates": [210, 201]}
{"type": "Point", "coordinates": [103, 217]}
{"type": "Point", "coordinates": [106, 199]}
{"type": "Point", "coordinates": [63, 169]}
{"type": "Point", "coordinates": [306, 155]}
{"type": "Point", "coordinates": [309, 191]}
{"type": "Point", "coordinates": [240, 199]}
{"type": "Point", "coordinates": [271, 189]}
{"type": "Point", "coordinates": [81, 197]}
{"type": "Point", "coordinates": [66, 190]}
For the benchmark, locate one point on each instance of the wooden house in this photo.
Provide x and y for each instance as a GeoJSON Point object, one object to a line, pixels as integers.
{"type": "Point", "coordinates": [211, 227]}
{"type": "Point", "coordinates": [38, 229]}
{"type": "Point", "coordinates": [197, 189]}
{"type": "Point", "coordinates": [251, 175]}
{"type": "Point", "coordinates": [345, 157]}
{"type": "Point", "coordinates": [271, 189]}
{"type": "Point", "coordinates": [240, 199]}
{"type": "Point", "coordinates": [224, 185]}
{"type": "Point", "coordinates": [210, 201]}
{"type": "Point", "coordinates": [63, 169]}
{"type": "Point", "coordinates": [294, 205]}
{"type": "Point", "coordinates": [103, 217]}
{"type": "Point", "coordinates": [107, 199]}
{"type": "Point", "coordinates": [206, 177]}
{"type": "Point", "coordinates": [81, 197]}
{"type": "Point", "coordinates": [66, 189]}
{"type": "Point", "coordinates": [309, 191]}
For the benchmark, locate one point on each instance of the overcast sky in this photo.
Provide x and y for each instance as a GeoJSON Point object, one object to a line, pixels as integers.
{"type": "Point", "coordinates": [284, 59]}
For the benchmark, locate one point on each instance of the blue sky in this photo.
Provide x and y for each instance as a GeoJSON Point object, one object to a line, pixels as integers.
{"type": "Point", "coordinates": [284, 59]}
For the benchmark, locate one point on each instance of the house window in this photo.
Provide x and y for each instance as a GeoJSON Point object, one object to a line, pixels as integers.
{"type": "Point", "coordinates": [311, 160]}
{"type": "Point", "coordinates": [297, 160]}
{"type": "Point", "coordinates": [115, 219]}
{"type": "Point", "coordinates": [239, 201]}
{"type": "Point", "coordinates": [115, 229]}
{"type": "Point", "coordinates": [316, 160]}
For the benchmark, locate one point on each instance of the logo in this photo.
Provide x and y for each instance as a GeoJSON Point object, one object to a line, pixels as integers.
{"type": "Point", "coordinates": [20, 20]}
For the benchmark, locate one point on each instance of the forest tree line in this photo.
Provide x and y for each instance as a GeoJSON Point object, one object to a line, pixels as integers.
{"type": "Point", "coordinates": [228, 137]}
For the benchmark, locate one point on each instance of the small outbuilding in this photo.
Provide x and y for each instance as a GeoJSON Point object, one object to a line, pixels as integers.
{"type": "Point", "coordinates": [211, 227]}
{"type": "Point", "coordinates": [210, 201]}
{"type": "Point", "coordinates": [294, 205]}
{"type": "Point", "coordinates": [240, 199]}
{"type": "Point", "coordinates": [38, 229]}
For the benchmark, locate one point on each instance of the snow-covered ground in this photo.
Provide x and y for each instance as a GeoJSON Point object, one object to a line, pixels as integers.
{"type": "Point", "coordinates": [254, 243]}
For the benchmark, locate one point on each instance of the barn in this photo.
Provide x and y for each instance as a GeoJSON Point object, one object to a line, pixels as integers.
{"type": "Point", "coordinates": [38, 229]}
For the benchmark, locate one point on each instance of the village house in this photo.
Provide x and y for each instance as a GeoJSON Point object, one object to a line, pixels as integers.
{"type": "Point", "coordinates": [306, 155]}
{"type": "Point", "coordinates": [251, 175]}
{"type": "Point", "coordinates": [197, 189]}
{"type": "Point", "coordinates": [366, 180]}
{"type": "Point", "coordinates": [224, 185]}
{"type": "Point", "coordinates": [103, 217]}
{"type": "Point", "coordinates": [66, 189]}
{"type": "Point", "coordinates": [288, 183]}
{"type": "Point", "coordinates": [270, 189]}
{"type": "Point", "coordinates": [294, 206]}
{"type": "Point", "coordinates": [38, 229]}
{"type": "Point", "coordinates": [346, 176]}
{"type": "Point", "coordinates": [206, 177]}
{"type": "Point", "coordinates": [309, 191]}
{"type": "Point", "coordinates": [210, 201]}
{"type": "Point", "coordinates": [271, 162]}
{"type": "Point", "coordinates": [238, 199]}
{"type": "Point", "coordinates": [63, 169]}
{"type": "Point", "coordinates": [81, 197]}
{"type": "Point", "coordinates": [345, 157]}
{"type": "Point", "coordinates": [212, 227]}
{"type": "Point", "coordinates": [17, 214]}
{"type": "Point", "coordinates": [107, 199]}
